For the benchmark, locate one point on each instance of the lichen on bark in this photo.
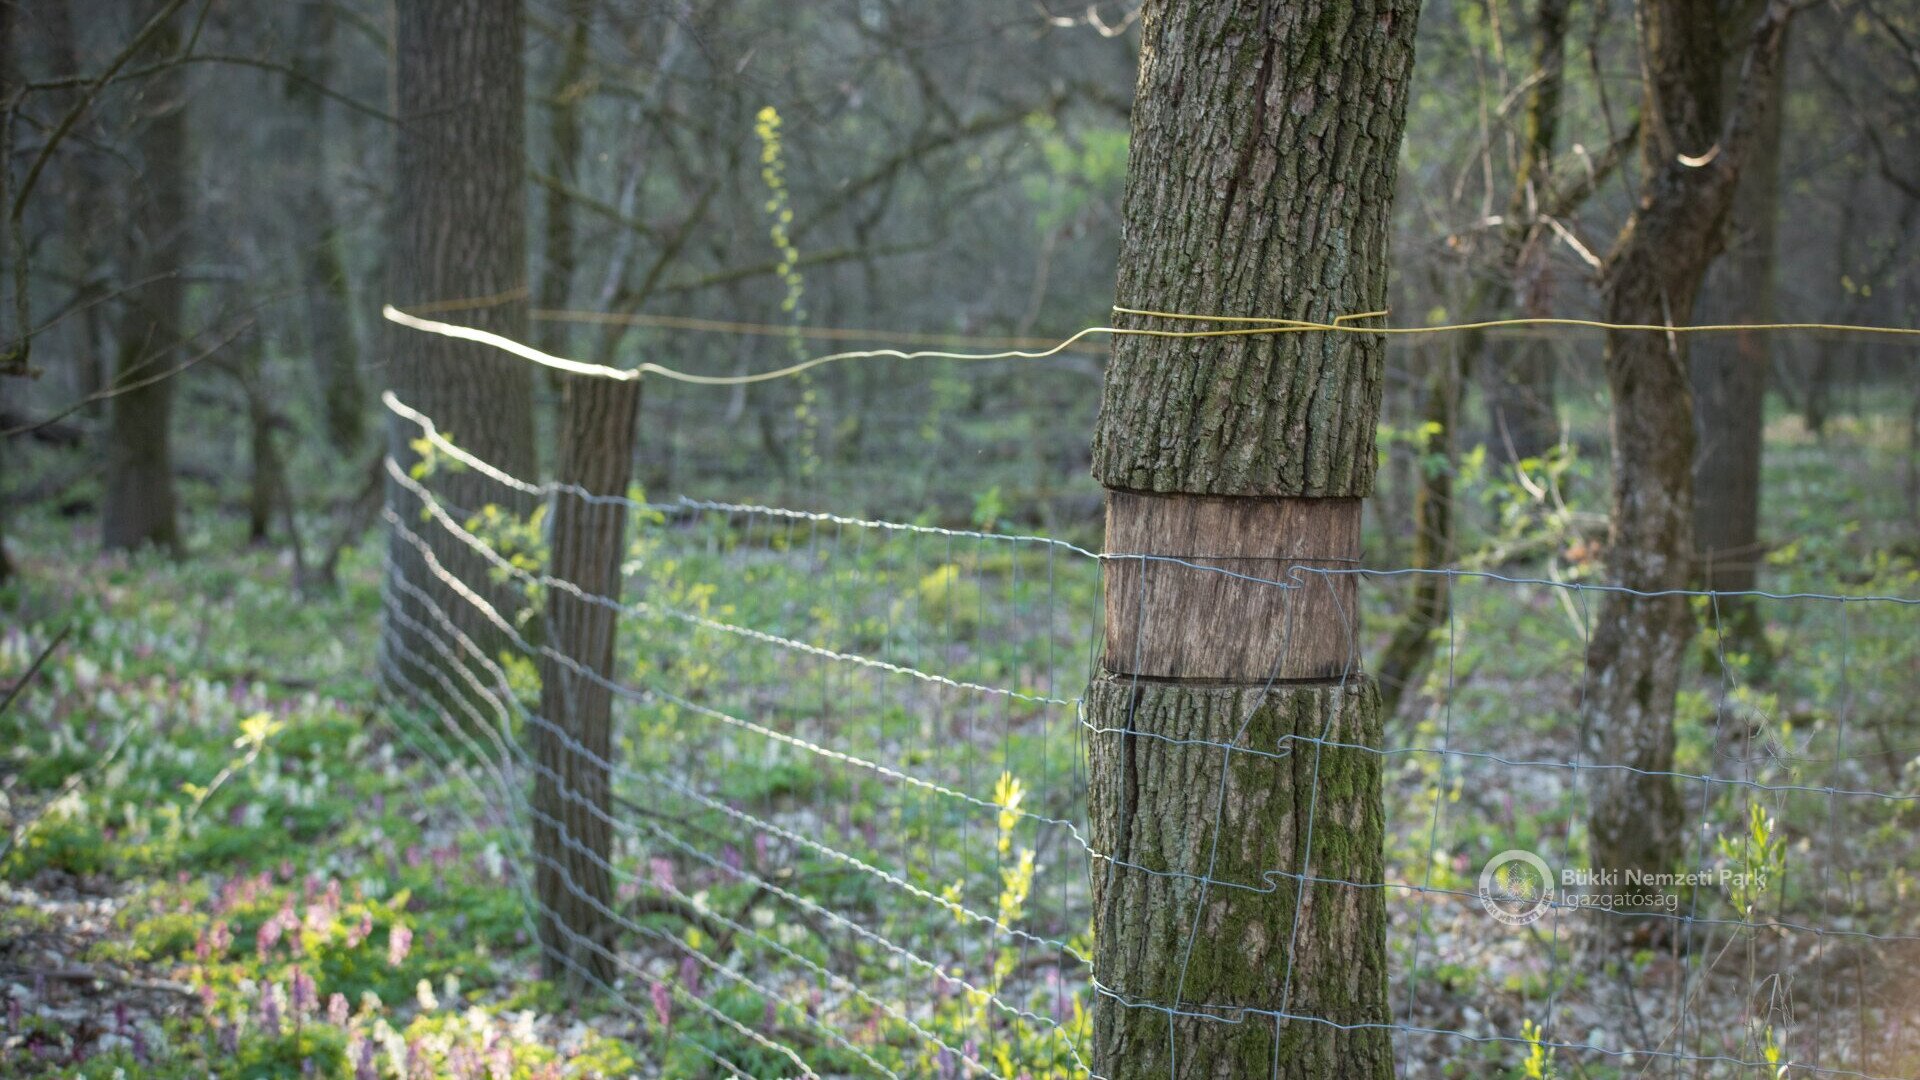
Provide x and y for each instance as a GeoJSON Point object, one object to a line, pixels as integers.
{"type": "Point", "coordinates": [1200, 855]}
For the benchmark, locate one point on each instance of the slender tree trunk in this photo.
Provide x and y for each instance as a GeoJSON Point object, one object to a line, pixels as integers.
{"type": "Point", "coordinates": [9, 81]}
{"type": "Point", "coordinates": [1523, 414]}
{"type": "Point", "coordinates": [1264, 145]}
{"type": "Point", "coordinates": [1523, 410]}
{"type": "Point", "coordinates": [1729, 379]}
{"type": "Point", "coordinates": [89, 215]}
{"type": "Point", "coordinates": [266, 483]}
{"type": "Point", "coordinates": [459, 232]}
{"type": "Point", "coordinates": [320, 249]}
{"type": "Point", "coordinates": [1412, 642]}
{"type": "Point", "coordinates": [573, 789]}
{"type": "Point", "coordinates": [139, 507]}
{"type": "Point", "coordinates": [1691, 164]}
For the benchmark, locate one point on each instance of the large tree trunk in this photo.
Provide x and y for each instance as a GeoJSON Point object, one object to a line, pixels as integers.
{"type": "Point", "coordinates": [459, 232]}
{"type": "Point", "coordinates": [139, 507]}
{"type": "Point", "coordinates": [1690, 168]}
{"type": "Point", "coordinates": [571, 795]}
{"type": "Point", "coordinates": [1729, 378]}
{"type": "Point", "coordinates": [1264, 145]}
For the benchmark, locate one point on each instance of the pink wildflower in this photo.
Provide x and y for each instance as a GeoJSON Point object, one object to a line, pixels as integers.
{"type": "Point", "coordinates": [662, 1004]}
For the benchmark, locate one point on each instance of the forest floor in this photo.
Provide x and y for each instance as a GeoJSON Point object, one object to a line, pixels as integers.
{"type": "Point", "coordinates": [228, 854]}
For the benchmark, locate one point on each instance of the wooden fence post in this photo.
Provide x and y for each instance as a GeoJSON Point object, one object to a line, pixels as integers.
{"type": "Point", "coordinates": [572, 835]}
{"type": "Point", "coordinates": [1234, 792]}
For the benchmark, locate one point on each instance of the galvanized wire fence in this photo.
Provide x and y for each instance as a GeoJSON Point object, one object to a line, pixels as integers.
{"type": "Point", "coordinates": [849, 804]}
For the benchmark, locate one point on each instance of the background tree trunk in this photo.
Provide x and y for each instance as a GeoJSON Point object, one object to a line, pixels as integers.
{"type": "Point", "coordinates": [1523, 412]}
{"type": "Point", "coordinates": [1690, 168]}
{"type": "Point", "coordinates": [320, 253]}
{"type": "Point", "coordinates": [139, 506]}
{"type": "Point", "coordinates": [1265, 139]}
{"type": "Point", "coordinates": [1729, 379]}
{"type": "Point", "coordinates": [1523, 409]}
{"type": "Point", "coordinates": [572, 792]}
{"type": "Point", "coordinates": [86, 200]}
{"type": "Point", "coordinates": [1411, 646]}
{"type": "Point", "coordinates": [8, 88]}
{"type": "Point", "coordinates": [569, 88]}
{"type": "Point", "coordinates": [459, 232]}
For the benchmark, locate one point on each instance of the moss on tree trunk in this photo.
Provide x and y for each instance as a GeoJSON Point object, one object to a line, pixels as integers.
{"type": "Point", "coordinates": [1260, 182]}
{"type": "Point", "coordinates": [1197, 887]}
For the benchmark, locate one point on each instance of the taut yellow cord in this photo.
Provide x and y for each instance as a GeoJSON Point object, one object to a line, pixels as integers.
{"type": "Point", "coordinates": [1256, 325]}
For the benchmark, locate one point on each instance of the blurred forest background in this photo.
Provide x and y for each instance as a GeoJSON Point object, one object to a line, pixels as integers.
{"type": "Point", "coordinates": [200, 198]}
{"type": "Point", "coordinates": [218, 196]}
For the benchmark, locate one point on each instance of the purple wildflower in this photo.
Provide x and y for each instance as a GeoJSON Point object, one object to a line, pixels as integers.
{"type": "Point", "coordinates": [338, 1010]}
{"type": "Point", "coordinates": [306, 996]}
{"type": "Point", "coordinates": [399, 942]}
{"type": "Point", "coordinates": [270, 1011]}
{"type": "Point", "coordinates": [690, 975]}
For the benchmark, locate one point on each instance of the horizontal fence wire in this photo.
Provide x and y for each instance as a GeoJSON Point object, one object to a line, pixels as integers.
{"type": "Point", "coordinates": [850, 777]}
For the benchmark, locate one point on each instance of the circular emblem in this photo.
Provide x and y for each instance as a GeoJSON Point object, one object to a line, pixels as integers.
{"type": "Point", "coordinates": [1516, 887]}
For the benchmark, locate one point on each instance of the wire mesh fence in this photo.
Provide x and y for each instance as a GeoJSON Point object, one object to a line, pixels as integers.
{"type": "Point", "coordinates": [851, 831]}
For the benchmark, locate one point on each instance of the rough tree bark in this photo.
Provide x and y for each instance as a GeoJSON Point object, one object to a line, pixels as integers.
{"type": "Point", "coordinates": [571, 795]}
{"type": "Point", "coordinates": [139, 508]}
{"type": "Point", "coordinates": [320, 254]}
{"type": "Point", "coordinates": [1691, 163]}
{"type": "Point", "coordinates": [1264, 146]}
{"type": "Point", "coordinates": [459, 232]}
{"type": "Point", "coordinates": [1729, 378]}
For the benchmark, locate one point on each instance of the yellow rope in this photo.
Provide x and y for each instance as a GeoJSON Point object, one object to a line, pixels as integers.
{"type": "Point", "coordinates": [1341, 324]}
{"type": "Point", "coordinates": [826, 333]}
{"type": "Point", "coordinates": [1261, 326]}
